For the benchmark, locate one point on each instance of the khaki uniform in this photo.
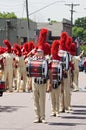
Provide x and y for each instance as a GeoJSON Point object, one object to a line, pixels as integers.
{"type": "Point", "coordinates": [8, 70]}
{"type": "Point", "coordinates": [21, 72]}
{"type": "Point", "coordinates": [65, 95]}
{"type": "Point", "coordinates": [75, 60]}
{"type": "Point", "coordinates": [39, 95]}
{"type": "Point", "coordinates": [55, 93]}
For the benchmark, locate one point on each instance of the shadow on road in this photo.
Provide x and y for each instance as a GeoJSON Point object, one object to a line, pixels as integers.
{"type": "Point", "coordinates": [10, 108]}
{"type": "Point", "coordinates": [66, 124]}
{"type": "Point", "coordinates": [79, 106]}
{"type": "Point", "coordinates": [74, 117]}
{"type": "Point", "coordinates": [62, 124]}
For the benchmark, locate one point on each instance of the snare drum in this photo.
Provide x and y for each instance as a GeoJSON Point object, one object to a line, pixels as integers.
{"type": "Point", "coordinates": [37, 68]}
{"type": "Point", "coordinates": [56, 73]}
{"type": "Point", "coordinates": [56, 69]}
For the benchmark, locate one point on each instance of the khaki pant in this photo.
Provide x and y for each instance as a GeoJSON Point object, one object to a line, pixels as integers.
{"type": "Point", "coordinates": [8, 75]}
{"type": "Point", "coordinates": [21, 72]}
{"type": "Point", "coordinates": [65, 96]}
{"type": "Point", "coordinates": [55, 93]}
{"type": "Point", "coordinates": [75, 79]}
{"type": "Point", "coordinates": [39, 95]}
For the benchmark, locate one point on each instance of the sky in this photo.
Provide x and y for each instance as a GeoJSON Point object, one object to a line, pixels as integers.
{"type": "Point", "coordinates": [42, 10]}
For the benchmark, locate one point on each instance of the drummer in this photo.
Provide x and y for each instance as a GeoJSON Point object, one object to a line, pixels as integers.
{"type": "Point", "coordinates": [56, 78]}
{"type": "Point", "coordinates": [39, 83]}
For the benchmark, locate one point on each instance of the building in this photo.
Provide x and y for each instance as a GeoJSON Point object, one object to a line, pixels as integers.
{"type": "Point", "coordinates": [56, 28]}
{"type": "Point", "coordinates": [16, 30]}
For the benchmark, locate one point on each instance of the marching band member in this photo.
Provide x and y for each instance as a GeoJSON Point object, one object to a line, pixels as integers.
{"type": "Point", "coordinates": [8, 65]}
{"type": "Point", "coordinates": [29, 51]}
{"type": "Point", "coordinates": [56, 77]}
{"type": "Point", "coordinates": [68, 46]}
{"type": "Point", "coordinates": [21, 68]}
{"type": "Point", "coordinates": [65, 84]}
{"type": "Point", "coordinates": [39, 83]}
{"type": "Point", "coordinates": [75, 60]}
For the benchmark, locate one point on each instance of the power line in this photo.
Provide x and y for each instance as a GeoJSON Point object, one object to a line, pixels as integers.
{"type": "Point", "coordinates": [45, 7]}
{"type": "Point", "coordinates": [24, 5]}
{"type": "Point", "coordinates": [72, 11]}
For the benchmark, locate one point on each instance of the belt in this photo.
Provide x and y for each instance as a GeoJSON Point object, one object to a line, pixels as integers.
{"type": "Point", "coordinates": [38, 81]}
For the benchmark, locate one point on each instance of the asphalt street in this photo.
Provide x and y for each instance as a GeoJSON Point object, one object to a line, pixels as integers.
{"type": "Point", "coordinates": [17, 111]}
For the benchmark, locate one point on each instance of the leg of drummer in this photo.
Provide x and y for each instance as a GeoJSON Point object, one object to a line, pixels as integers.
{"type": "Point", "coordinates": [61, 98]}
{"type": "Point", "coordinates": [75, 81]}
{"type": "Point", "coordinates": [53, 103]}
{"type": "Point", "coordinates": [24, 75]}
{"type": "Point", "coordinates": [10, 80]}
{"type": "Point", "coordinates": [35, 89]}
{"type": "Point", "coordinates": [69, 90]}
{"type": "Point", "coordinates": [18, 79]}
{"type": "Point", "coordinates": [27, 85]}
{"type": "Point", "coordinates": [57, 94]}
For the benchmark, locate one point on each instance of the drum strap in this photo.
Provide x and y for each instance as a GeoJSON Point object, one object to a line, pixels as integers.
{"type": "Point", "coordinates": [55, 84]}
{"type": "Point", "coordinates": [40, 81]}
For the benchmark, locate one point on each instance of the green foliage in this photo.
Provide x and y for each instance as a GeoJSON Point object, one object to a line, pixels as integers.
{"type": "Point", "coordinates": [83, 47]}
{"type": "Point", "coordinates": [84, 35]}
{"type": "Point", "coordinates": [78, 32]}
{"type": "Point", "coordinates": [81, 22]}
{"type": "Point", "coordinates": [7, 15]}
{"type": "Point", "coordinates": [79, 29]}
{"type": "Point", "coordinates": [53, 21]}
{"type": "Point", "coordinates": [26, 19]}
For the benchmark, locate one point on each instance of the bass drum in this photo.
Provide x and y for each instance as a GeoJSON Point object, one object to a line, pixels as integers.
{"type": "Point", "coordinates": [37, 68]}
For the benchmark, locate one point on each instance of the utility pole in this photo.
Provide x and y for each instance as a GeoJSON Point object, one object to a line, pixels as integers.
{"type": "Point", "coordinates": [27, 13]}
{"type": "Point", "coordinates": [72, 5]}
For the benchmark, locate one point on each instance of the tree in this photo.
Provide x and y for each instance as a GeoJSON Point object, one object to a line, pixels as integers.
{"type": "Point", "coordinates": [78, 32]}
{"type": "Point", "coordinates": [79, 28]}
{"type": "Point", "coordinates": [84, 35]}
{"type": "Point", "coordinates": [81, 22]}
{"type": "Point", "coordinates": [7, 15]}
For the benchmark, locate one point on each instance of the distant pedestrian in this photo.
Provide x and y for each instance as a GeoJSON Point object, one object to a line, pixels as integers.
{"type": "Point", "coordinates": [84, 65]}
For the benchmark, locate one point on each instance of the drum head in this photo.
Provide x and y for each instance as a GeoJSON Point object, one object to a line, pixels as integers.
{"type": "Point", "coordinates": [62, 53]}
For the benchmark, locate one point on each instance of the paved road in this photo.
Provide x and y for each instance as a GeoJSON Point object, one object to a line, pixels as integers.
{"type": "Point", "coordinates": [16, 112]}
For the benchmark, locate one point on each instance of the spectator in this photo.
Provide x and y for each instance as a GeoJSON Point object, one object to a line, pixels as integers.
{"type": "Point", "coordinates": [85, 65]}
